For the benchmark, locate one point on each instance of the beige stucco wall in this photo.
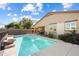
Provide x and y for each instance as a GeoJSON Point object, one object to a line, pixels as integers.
{"type": "Point", "coordinates": [58, 18]}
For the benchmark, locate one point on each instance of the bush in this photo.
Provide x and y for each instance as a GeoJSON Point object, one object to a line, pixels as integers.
{"type": "Point", "coordinates": [70, 37]}
{"type": "Point", "coordinates": [42, 33]}
{"type": "Point", "coordinates": [61, 37]}
{"type": "Point", "coordinates": [50, 35]}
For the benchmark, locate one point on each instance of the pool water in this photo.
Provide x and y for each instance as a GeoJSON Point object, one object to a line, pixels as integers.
{"type": "Point", "coordinates": [27, 45]}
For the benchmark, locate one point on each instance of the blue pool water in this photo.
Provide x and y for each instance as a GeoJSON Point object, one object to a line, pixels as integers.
{"type": "Point", "coordinates": [27, 45]}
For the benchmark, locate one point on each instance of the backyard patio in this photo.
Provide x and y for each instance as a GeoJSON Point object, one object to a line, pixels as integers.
{"type": "Point", "coordinates": [59, 49]}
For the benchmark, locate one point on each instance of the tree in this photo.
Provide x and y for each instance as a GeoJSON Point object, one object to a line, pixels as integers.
{"type": "Point", "coordinates": [11, 25]}
{"type": "Point", "coordinates": [18, 26]}
{"type": "Point", "coordinates": [14, 25]}
{"type": "Point", "coordinates": [26, 23]}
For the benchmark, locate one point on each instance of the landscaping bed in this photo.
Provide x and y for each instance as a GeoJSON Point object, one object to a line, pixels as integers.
{"type": "Point", "coordinates": [72, 37]}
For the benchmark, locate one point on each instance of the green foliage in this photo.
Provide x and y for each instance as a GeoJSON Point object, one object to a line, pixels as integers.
{"type": "Point", "coordinates": [50, 35]}
{"type": "Point", "coordinates": [28, 24]}
{"type": "Point", "coordinates": [18, 26]}
{"type": "Point", "coordinates": [25, 23]}
{"type": "Point", "coordinates": [72, 37]}
{"type": "Point", "coordinates": [11, 25]}
{"type": "Point", "coordinates": [14, 25]}
{"type": "Point", "coordinates": [61, 37]}
{"type": "Point", "coordinates": [42, 32]}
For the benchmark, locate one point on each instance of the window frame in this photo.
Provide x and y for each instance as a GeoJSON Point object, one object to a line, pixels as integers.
{"type": "Point", "coordinates": [53, 26]}
{"type": "Point", "coordinates": [70, 25]}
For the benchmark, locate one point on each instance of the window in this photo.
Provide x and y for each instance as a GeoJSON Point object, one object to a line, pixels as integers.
{"type": "Point", "coordinates": [70, 25]}
{"type": "Point", "coordinates": [52, 27]}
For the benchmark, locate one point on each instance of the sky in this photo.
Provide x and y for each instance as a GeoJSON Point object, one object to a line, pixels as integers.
{"type": "Point", "coordinates": [10, 12]}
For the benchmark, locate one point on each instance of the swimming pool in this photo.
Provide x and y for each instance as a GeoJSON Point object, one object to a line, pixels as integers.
{"type": "Point", "coordinates": [27, 45]}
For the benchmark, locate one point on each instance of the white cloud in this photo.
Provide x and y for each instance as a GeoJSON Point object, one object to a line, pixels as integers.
{"type": "Point", "coordinates": [65, 9]}
{"type": "Point", "coordinates": [33, 8]}
{"type": "Point", "coordinates": [53, 10]}
{"type": "Point", "coordinates": [34, 20]}
{"type": "Point", "coordinates": [39, 6]}
{"type": "Point", "coordinates": [3, 5]}
{"type": "Point", "coordinates": [28, 7]}
{"type": "Point", "coordinates": [22, 16]}
{"type": "Point", "coordinates": [67, 5]}
{"type": "Point", "coordinates": [15, 19]}
{"type": "Point", "coordinates": [8, 8]}
{"type": "Point", "coordinates": [28, 16]}
{"type": "Point", "coordinates": [9, 14]}
{"type": "Point", "coordinates": [15, 14]}
{"type": "Point", "coordinates": [35, 13]}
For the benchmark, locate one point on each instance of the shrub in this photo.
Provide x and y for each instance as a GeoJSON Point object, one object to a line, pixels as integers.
{"type": "Point", "coordinates": [50, 35]}
{"type": "Point", "coordinates": [61, 37]}
{"type": "Point", "coordinates": [42, 33]}
{"type": "Point", "coordinates": [70, 37]}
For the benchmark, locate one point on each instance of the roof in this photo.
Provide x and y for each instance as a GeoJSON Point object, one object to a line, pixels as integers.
{"type": "Point", "coordinates": [77, 11]}
{"type": "Point", "coordinates": [51, 13]}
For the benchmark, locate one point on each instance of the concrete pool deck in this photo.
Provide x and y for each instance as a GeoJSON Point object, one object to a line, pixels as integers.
{"type": "Point", "coordinates": [59, 49]}
{"type": "Point", "coordinates": [8, 52]}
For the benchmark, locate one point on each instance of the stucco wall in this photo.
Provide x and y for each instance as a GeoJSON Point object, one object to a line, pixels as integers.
{"type": "Point", "coordinates": [58, 18]}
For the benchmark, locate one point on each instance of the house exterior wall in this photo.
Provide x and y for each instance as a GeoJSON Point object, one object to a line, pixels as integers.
{"type": "Point", "coordinates": [60, 28]}
{"type": "Point", "coordinates": [59, 18]}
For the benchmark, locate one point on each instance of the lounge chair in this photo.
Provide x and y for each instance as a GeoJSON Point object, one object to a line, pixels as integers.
{"type": "Point", "coordinates": [9, 42]}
